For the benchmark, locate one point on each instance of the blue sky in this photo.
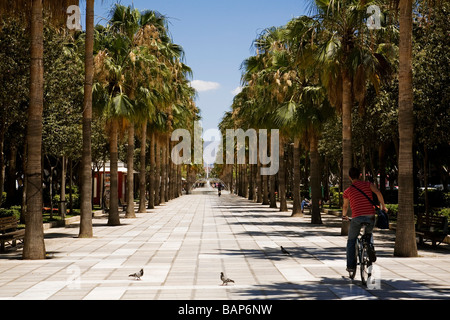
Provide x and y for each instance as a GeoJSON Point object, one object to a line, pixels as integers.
{"type": "Point", "coordinates": [216, 37]}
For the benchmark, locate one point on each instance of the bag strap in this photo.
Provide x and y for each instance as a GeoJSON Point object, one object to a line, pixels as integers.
{"type": "Point", "coordinates": [371, 201]}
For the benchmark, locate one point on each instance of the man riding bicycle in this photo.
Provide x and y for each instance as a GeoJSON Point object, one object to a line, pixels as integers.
{"type": "Point", "coordinates": [362, 212]}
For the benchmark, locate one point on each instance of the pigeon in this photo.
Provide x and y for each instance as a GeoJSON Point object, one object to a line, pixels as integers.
{"type": "Point", "coordinates": [224, 279]}
{"type": "Point", "coordinates": [285, 251]}
{"type": "Point", "coordinates": [137, 275]}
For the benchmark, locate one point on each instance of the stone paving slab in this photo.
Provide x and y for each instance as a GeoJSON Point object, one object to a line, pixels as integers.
{"type": "Point", "coordinates": [184, 244]}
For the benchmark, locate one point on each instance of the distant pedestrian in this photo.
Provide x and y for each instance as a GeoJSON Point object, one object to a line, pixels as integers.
{"type": "Point", "coordinates": [219, 189]}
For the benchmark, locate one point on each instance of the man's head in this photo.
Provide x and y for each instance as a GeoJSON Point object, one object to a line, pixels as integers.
{"type": "Point", "coordinates": [354, 173]}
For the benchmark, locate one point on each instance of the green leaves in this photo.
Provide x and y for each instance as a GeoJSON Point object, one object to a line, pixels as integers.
{"type": "Point", "coordinates": [120, 106]}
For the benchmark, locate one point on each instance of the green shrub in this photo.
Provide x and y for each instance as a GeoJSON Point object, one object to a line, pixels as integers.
{"type": "Point", "coordinates": [8, 212]}
{"type": "Point", "coordinates": [75, 198]}
{"type": "Point", "coordinates": [335, 196]}
{"type": "Point", "coordinates": [445, 212]}
{"type": "Point", "coordinates": [392, 211]}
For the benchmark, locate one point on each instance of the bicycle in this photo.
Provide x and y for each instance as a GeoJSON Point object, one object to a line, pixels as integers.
{"type": "Point", "coordinates": [365, 255]}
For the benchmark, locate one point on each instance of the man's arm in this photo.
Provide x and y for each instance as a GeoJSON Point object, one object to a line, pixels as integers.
{"type": "Point", "coordinates": [379, 196]}
{"type": "Point", "coordinates": [345, 208]}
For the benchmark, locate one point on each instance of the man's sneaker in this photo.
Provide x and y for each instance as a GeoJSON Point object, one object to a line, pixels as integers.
{"type": "Point", "coordinates": [351, 272]}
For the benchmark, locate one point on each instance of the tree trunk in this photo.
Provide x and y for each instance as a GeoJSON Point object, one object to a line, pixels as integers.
{"type": "Point", "coordinates": [2, 154]}
{"type": "Point", "coordinates": [86, 171]}
{"type": "Point", "coordinates": [346, 127]}
{"type": "Point", "coordinates": [113, 217]}
{"type": "Point", "coordinates": [50, 189]}
{"type": "Point", "coordinates": [34, 246]}
{"type": "Point", "coordinates": [425, 178]}
{"type": "Point", "coordinates": [152, 175]}
{"type": "Point", "coordinates": [315, 181]}
{"type": "Point", "coordinates": [265, 197]}
{"type": "Point", "coordinates": [130, 175]}
{"type": "Point", "coordinates": [382, 165]}
{"type": "Point", "coordinates": [273, 196]}
{"type": "Point", "coordinates": [405, 241]}
{"type": "Point", "coordinates": [158, 171]}
{"type": "Point", "coordinates": [162, 197]}
{"type": "Point", "coordinates": [62, 198]}
{"type": "Point", "coordinates": [245, 180]}
{"type": "Point", "coordinates": [71, 186]}
{"type": "Point", "coordinates": [296, 209]}
{"type": "Point", "coordinates": [23, 210]}
{"type": "Point", "coordinates": [180, 181]}
{"type": "Point", "coordinates": [170, 176]}
{"type": "Point", "coordinates": [166, 169]}
{"type": "Point", "coordinates": [259, 182]}
{"type": "Point", "coordinates": [142, 171]}
{"type": "Point", "coordinates": [347, 103]}
{"type": "Point", "coordinates": [11, 195]}
{"type": "Point", "coordinates": [282, 178]}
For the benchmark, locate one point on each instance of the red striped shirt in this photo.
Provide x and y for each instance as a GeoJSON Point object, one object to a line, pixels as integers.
{"type": "Point", "coordinates": [359, 204]}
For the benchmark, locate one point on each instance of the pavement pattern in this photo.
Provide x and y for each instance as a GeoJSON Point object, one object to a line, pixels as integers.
{"type": "Point", "coordinates": [184, 244]}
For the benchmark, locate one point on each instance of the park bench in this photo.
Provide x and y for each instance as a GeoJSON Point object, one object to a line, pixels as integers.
{"type": "Point", "coordinates": [9, 232]}
{"type": "Point", "coordinates": [434, 228]}
{"type": "Point", "coordinates": [123, 204]}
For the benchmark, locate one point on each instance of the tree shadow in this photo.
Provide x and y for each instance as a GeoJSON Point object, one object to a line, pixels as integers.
{"type": "Point", "coordinates": [327, 288]}
{"type": "Point", "coordinates": [54, 235]}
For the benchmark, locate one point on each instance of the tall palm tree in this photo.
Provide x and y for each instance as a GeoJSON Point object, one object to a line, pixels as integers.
{"type": "Point", "coordinates": [142, 170]}
{"type": "Point", "coordinates": [34, 246]}
{"type": "Point", "coordinates": [86, 230]}
{"type": "Point", "coordinates": [348, 59]}
{"type": "Point", "coordinates": [405, 241]}
{"type": "Point", "coordinates": [113, 64]}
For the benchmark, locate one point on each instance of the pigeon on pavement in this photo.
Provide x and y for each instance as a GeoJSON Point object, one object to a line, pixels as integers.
{"type": "Point", "coordinates": [137, 275]}
{"type": "Point", "coordinates": [224, 279]}
{"type": "Point", "coordinates": [285, 251]}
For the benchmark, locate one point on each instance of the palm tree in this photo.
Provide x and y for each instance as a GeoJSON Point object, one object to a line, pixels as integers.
{"type": "Point", "coordinates": [405, 241]}
{"type": "Point", "coordinates": [348, 60]}
{"type": "Point", "coordinates": [34, 246]}
{"type": "Point", "coordinates": [113, 64]}
{"type": "Point", "coordinates": [86, 171]}
{"type": "Point", "coordinates": [142, 170]}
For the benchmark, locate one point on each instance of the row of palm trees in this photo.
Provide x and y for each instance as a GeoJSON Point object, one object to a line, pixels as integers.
{"type": "Point", "coordinates": [136, 82]}
{"type": "Point", "coordinates": [336, 39]}
{"type": "Point", "coordinates": [313, 66]}
{"type": "Point", "coordinates": [140, 82]}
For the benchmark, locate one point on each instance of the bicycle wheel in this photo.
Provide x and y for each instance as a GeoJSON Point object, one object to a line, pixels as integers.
{"type": "Point", "coordinates": [364, 264]}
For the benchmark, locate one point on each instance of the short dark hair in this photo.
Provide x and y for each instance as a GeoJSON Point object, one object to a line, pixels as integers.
{"type": "Point", "coordinates": [354, 173]}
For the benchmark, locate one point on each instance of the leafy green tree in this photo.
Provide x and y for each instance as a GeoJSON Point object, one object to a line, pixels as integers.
{"type": "Point", "coordinates": [14, 79]}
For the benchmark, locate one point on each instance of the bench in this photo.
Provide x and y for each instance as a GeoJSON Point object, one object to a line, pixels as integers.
{"type": "Point", "coordinates": [9, 232]}
{"type": "Point", "coordinates": [434, 228]}
{"type": "Point", "coordinates": [123, 204]}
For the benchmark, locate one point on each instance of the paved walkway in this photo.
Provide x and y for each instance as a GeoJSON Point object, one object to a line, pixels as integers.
{"type": "Point", "coordinates": [185, 244]}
